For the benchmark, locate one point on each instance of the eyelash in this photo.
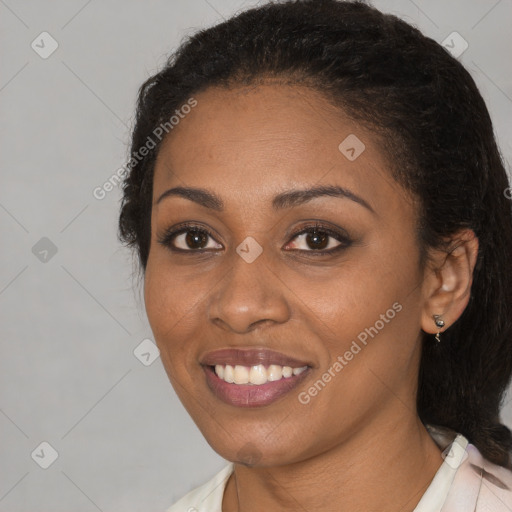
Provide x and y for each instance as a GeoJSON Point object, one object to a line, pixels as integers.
{"type": "Point", "coordinates": [170, 234]}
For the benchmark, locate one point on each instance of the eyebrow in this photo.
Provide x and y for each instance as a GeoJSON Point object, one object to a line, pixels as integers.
{"type": "Point", "coordinates": [281, 201]}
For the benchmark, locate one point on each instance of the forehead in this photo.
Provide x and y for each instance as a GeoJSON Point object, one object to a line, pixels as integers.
{"type": "Point", "coordinates": [262, 139]}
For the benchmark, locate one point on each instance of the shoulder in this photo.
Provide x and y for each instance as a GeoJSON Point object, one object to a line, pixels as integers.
{"type": "Point", "coordinates": [480, 484]}
{"type": "Point", "coordinates": [207, 497]}
{"type": "Point", "coordinates": [496, 486]}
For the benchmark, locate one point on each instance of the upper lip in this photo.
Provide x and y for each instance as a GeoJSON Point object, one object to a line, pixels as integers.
{"type": "Point", "coordinates": [250, 357]}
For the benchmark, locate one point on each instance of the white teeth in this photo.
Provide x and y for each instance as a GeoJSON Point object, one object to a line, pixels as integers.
{"type": "Point", "coordinates": [241, 374]}
{"type": "Point", "coordinates": [258, 374]}
{"type": "Point", "coordinates": [228, 374]}
{"type": "Point", "coordinates": [255, 375]}
{"type": "Point", "coordinates": [287, 371]}
{"type": "Point", "coordinates": [274, 372]}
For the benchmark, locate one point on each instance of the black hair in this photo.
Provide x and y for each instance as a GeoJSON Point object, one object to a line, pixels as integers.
{"type": "Point", "coordinates": [432, 124]}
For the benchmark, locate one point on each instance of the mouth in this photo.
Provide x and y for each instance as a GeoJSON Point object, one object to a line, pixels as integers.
{"type": "Point", "coordinates": [252, 378]}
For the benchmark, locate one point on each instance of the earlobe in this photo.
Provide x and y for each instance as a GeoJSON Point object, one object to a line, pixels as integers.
{"type": "Point", "coordinates": [447, 282]}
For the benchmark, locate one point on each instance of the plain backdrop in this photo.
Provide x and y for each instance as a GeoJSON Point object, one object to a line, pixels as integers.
{"type": "Point", "coordinates": [115, 437]}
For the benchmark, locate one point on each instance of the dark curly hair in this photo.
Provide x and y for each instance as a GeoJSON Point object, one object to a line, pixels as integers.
{"type": "Point", "coordinates": [432, 124]}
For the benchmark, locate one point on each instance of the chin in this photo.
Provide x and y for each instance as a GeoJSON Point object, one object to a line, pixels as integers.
{"type": "Point", "coordinates": [253, 451]}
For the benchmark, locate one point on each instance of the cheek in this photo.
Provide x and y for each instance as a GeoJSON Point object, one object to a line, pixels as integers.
{"type": "Point", "coordinates": [167, 308]}
{"type": "Point", "coordinates": [168, 296]}
{"type": "Point", "coordinates": [361, 289]}
{"type": "Point", "coordinates": [375, 311]}
{"type": "Point", "coordinates": [367, 315]}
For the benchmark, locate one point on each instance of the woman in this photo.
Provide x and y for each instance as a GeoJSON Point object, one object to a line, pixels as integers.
{"type": "Point", "coordinates": [321, 220]}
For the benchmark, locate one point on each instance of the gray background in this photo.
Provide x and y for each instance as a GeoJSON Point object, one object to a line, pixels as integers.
{"type": "Point", "coordinates": [72, 320]}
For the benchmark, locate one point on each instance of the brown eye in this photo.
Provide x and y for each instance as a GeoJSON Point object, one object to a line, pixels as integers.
{"type": "Point", "coordinates": [319, 240]}
{"type": "Point", "coordinates": [188, 239]}
{"type": "Point", "coordinates": [196, 239]}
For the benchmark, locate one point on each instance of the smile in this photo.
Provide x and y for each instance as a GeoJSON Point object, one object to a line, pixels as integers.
{"type": "Point", "coordinates": [252, 377]}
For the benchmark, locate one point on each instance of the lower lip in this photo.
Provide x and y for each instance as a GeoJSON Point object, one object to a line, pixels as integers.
{"type": "Point", "coordinates": [250, 395]}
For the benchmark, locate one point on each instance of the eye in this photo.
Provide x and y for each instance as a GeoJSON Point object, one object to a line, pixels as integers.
{"type": "Point", "coordinates": [316, 239]}
{"type": "Point", "coordinates": [320, 240]}
{"type": "Point", "coordinates": [188, 238]}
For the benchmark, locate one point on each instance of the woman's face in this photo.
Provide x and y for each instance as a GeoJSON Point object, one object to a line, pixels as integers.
{"type": "Point", "coordinates": [263, 295]}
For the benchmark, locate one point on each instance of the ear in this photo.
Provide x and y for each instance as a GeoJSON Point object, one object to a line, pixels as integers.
{"type": "Point", "coordinates": [447, 280]}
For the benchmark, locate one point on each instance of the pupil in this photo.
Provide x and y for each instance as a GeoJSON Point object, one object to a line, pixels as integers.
{"type": "Point", "coordinates": [319, 241]}
{"type": "Point", "coordinates": [195, 237]}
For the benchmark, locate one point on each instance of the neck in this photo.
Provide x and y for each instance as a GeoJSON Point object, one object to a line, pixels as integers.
{"type": "Point", "coordinates": [385, 468]}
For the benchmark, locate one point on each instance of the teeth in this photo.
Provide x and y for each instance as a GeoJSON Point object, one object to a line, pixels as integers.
{"type": "Point", "coordinates": [274, 372]}
{"type": "Point", "coordinates": [228, 374]}
{"type": "Point", "coordinates": [287, 371]}
{"type": "Point", "coordinates": [241, 374]}
{"type": "Point", "coordinates": [258, 374]}
{"type": "Point", "coordinates": [255, 375]}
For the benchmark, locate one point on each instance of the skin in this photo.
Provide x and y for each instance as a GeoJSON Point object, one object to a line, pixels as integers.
{"type": "Point", "coordinates": [358, 444]}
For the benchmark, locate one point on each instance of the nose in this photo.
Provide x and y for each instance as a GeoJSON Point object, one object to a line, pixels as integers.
{"type": "Point", "coordinates": [249, 295]}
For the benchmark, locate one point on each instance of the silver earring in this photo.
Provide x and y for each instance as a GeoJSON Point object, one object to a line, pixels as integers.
{"type": "Point", "coordinates": [439, 324]}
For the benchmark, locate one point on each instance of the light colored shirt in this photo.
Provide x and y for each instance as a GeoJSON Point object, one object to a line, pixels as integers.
{"type": "Point", "coordinates": [465, 482]}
